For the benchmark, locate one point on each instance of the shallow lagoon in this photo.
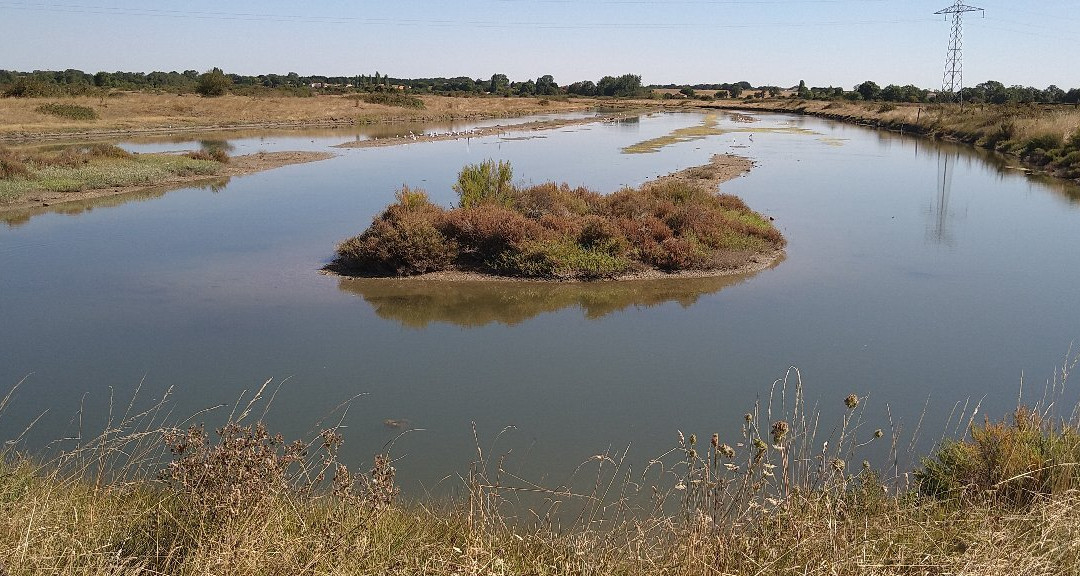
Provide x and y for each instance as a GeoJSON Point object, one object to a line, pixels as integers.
{"type": "Point", "coordinates": [921, 275]}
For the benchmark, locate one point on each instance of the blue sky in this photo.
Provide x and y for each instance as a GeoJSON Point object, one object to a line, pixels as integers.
{"type": "Point", "coordinates": [778, 42]}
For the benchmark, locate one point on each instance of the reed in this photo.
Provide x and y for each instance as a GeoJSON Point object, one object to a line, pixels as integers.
{"type": "Point", "coordinates": [786, 494]}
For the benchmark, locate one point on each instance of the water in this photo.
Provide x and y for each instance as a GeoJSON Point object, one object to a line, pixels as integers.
{"type": "Point", "coordinates": [920, 275]}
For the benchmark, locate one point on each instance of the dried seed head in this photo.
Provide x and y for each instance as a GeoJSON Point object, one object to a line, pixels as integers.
{"type": "Point", "coordinates": [851, 401]}
{"type": "Point", "coordinates": [780, 430]}
{"type": "Point", "coordinates": [748, 417]}
{"type": "Point", "coordinates": [838, 465]}
{"type": "Point", "coordinates": [878, 433]}
{"type": "Point", "coordinates": [760, 445]}
{"type": "Point", "coordinates": [693, 439]}
{"type": "Point", "coordinates": [727, 451]}
{"type": "Point", "coordinates": [715, 440]}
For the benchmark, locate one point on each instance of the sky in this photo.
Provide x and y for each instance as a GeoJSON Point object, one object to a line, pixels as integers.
{"type": "Point", "coordinates": [764, 42]}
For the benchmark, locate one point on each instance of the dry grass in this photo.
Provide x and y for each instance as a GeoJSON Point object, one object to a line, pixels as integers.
{"type": "Point", "coordinates": [135, 112]}
{"type": "Point", "coordinates": [784, 496]}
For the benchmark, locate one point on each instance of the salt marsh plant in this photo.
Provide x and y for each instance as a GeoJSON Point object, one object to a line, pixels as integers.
{"type": "Point", "coordinates": [554, 231]}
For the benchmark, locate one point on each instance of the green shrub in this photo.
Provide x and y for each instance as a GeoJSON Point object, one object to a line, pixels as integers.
{"type": "Point", "coordinates": [213, 83]}
{"type": "Point", "coordinates": [486, 182]}
{"type": "Point", "coordinates": [1013, 464]}
{"type": "Point", "coordinates": [24, 87]}
{"type": "Point", "coordinates": [69, 111]}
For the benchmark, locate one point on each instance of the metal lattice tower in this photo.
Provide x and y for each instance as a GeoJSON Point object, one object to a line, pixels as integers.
{"type": "Point", "coordinates": [954, 66]}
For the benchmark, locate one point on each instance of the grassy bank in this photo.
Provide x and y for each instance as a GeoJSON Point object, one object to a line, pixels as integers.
{"type": "Point", "coordinates": [1044, 138]}
{"type": "Point", "coordinates": [1002, 499]}
{"type": "Point", "coordinates": [553, 231]}
{"type": "Point", "coordinates": [94, 166]}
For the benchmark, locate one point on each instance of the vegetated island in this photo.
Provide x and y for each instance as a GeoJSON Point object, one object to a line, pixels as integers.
{"type": "Point", "coordinates": [35, 177]}
{"type": "Point", "coordinates": [676, 225]}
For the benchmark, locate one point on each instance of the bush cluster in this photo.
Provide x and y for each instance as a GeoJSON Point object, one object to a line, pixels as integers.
{"type": "Point", "coordinates": [69, 111]}
{"type": "Point", "coordinates": [393, 99]}
{"type": "Point", "coordinates": [558, 232]}
{"type": "Point", "coordinates": [1014, 463]}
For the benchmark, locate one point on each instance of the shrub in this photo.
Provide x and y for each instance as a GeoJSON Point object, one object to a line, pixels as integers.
{"type": "Point", "coordinates": [393, 99]}
{"type": "Point", "coordinates": [1013, 464]}
{"type": "Point", "coordinates": [403, 240]}
{"type": "Point", "coordinates": [214, 155]}
{"type": "Point", "coordinates": [69, 111]}
{"type": "Point", "coordinates": [553, 231]}
{"type": "Point", "coordinates": [486, 182]}
{"type": "Point", "coordinates": [11, 166]}
{"type": "Point", "coordinates": [24, 87]}
{"type": "Point", "coordinates": [213, 83]}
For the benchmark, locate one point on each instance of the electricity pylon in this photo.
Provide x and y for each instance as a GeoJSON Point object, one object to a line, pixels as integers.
{"type": "Point", "coordinates": [954, 67]}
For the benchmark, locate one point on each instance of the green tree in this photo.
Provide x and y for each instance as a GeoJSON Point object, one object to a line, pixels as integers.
{"type": "Point", "coordinates": [499, 84]}
{"type": "Point", "coordinates": [869, 90]}
{"type": "Point", "coordinates": [213, 83]}
{"type": "Point", "coordinates": [546, 86]}
{"type": "Point", "coordinates": [803, 91]}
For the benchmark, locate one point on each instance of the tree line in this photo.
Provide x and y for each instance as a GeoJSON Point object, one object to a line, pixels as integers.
{"type": "Point", "coordinates": [216, 82]}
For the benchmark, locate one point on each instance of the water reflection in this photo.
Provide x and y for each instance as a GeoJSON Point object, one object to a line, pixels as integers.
{"type": "Point", "coordinates": [16, 218]}
{"type": "Point", "coordinates": [937, 230]}
{"type": "Point", "coordinates": [418, 303]}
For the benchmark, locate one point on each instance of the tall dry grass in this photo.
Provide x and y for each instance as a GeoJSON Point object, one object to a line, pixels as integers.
{"type": "Point", "coordinates": [787, 494]}
{"type": "Point", "coordinates": [136, 111]}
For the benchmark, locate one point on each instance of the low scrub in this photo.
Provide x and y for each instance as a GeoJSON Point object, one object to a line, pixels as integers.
{"type": "Point", "coordinates": [69, 111]}
{"type": "Point", "coordinates": [392, 99]}
{"type": "Point", "coordinates": [557, 232]}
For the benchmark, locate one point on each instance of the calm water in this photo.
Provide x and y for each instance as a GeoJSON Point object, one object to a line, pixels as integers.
{"type": "Point", "coordinates": [916, 274]}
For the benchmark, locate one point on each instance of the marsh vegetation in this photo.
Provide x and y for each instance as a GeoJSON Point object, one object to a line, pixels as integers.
{"type": "Point", "coordinates": [791, 492]}
{"type": "Point", "coordinates": [553, 231]}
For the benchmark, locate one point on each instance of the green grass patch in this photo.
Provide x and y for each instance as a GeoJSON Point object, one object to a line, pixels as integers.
{"type": "Point", "coordinates": [553, 231]}
{"type": "Point", "coordinates": [93, 166]}
{"type": "Point", "coordinates": [69, 111]}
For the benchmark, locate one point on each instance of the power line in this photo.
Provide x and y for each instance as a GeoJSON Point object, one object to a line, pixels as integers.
{"type": "Point", "coordinates": [954, 67]}
{"type": "Point", "coordinates": [486, 24]}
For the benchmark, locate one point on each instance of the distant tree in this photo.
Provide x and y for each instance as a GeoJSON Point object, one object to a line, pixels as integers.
{"type": "Point", "coordinates": [585, 88]}
{"type": "Point", "coordinates": [1072, 97]}
{"type": "Point", "coordinates": [546, 86]}
{"type": "Point", "coordinates": [869, 90]}
{"type": "Point", "coordinates": [527, 88]}
{"type": "Point", "coordinates": [213, 83]}
{"type": "Point", "coordinates": [499, 84]}
{"type": "Point", "coordinates": [802, 91]}
{"type": "Point", "coordinates": [688, 92]}
{"type": "Point", "coordinates": [1053, 94]}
